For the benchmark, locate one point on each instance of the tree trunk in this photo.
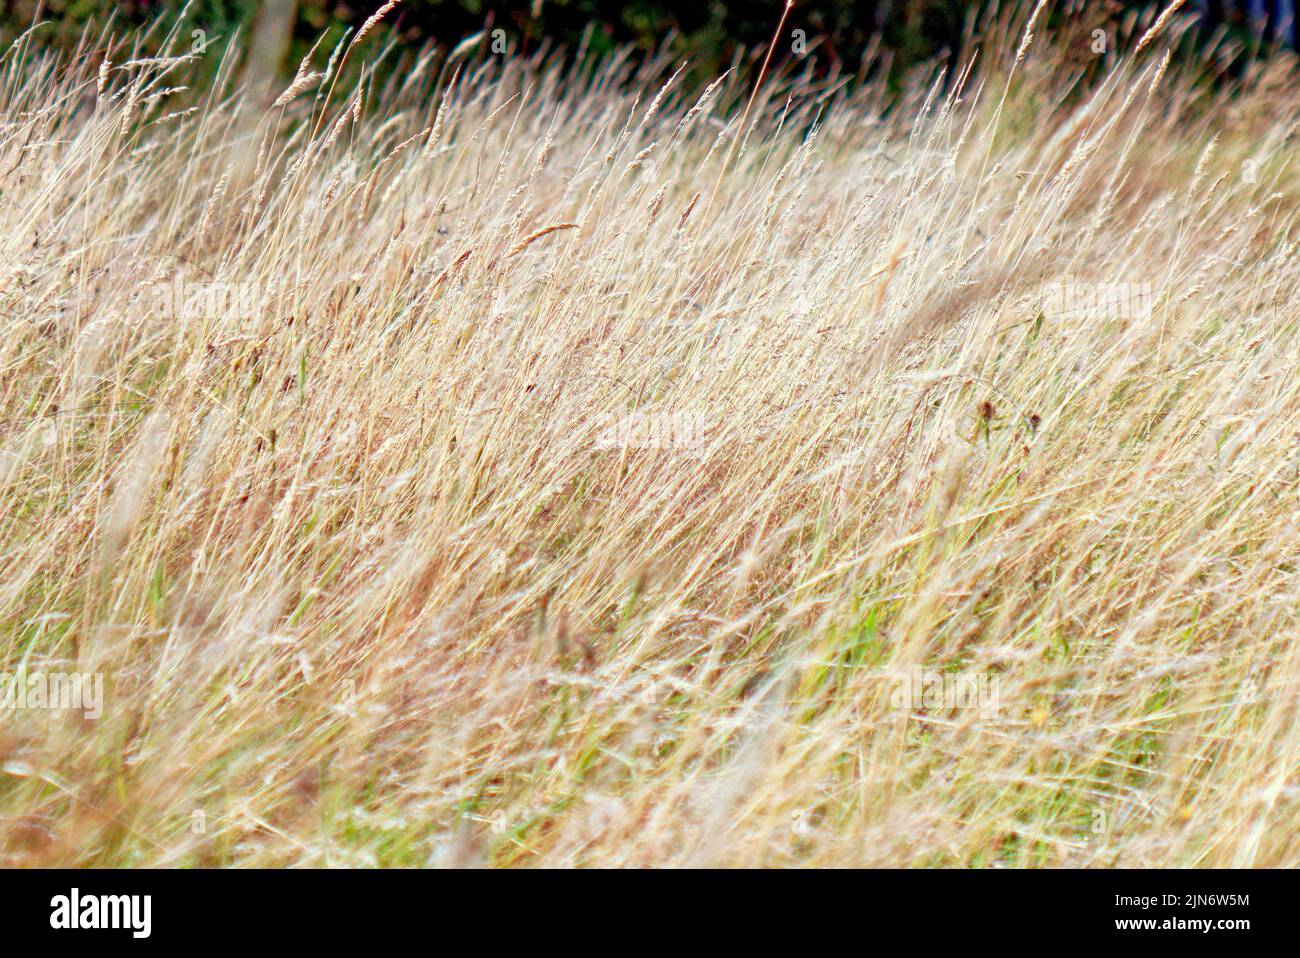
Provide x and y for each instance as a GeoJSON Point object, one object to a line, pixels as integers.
{"type": "Point", "coordinates": [272, 34]}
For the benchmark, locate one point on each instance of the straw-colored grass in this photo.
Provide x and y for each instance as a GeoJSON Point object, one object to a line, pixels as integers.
{"type": "Point", "coordinates": [574, 462]}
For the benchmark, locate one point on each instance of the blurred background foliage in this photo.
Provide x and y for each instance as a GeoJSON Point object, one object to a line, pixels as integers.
{"type": "Point", "coordinates": [836, 34]}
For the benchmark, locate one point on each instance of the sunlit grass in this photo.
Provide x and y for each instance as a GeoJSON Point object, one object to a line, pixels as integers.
{"type": "Point", "coordinates": [585, 467]}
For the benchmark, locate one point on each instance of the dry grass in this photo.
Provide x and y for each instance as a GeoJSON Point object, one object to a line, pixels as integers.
{"type": "Point", "coordinates": [371, 581]}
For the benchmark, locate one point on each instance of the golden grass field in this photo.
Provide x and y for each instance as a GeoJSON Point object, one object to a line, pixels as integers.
{"type": "Point", "coordinates": [498, 464]}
